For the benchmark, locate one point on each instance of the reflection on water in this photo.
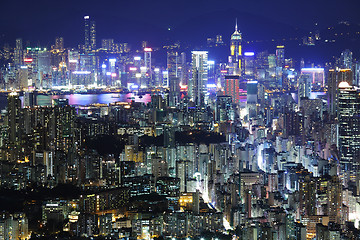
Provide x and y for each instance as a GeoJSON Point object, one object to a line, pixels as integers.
{"type": "Point", "coordinates": [87, 99]}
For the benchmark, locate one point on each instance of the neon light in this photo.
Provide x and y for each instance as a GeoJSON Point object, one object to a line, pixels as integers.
{"type": "Point", "coordinates": [73, 61]}
{"type": "Point", "coordinates": [103, 66]}
{"type": "Point", "coordinates": [148, 49]}
{"type": "Point", "coordinates": [81, 72]}
{"type": "Point", "coordinates": [112, 60]}
{"type": "Point", "coordinates": [312, 69]}
{"type": "Point", "coordinates": [137, 58]}
{"type": "Point", "coordinates": [28, 60]}
{"type": "Point", "coordinates": [249, 54]}
{"type": "Point", "coordinates": [132, 68]}
{"type": "Point", "coordinates": [113, 75]}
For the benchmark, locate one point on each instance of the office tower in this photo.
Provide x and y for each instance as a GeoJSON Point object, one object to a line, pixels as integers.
{"type": "Point", "coordinates": [59, 43]}
{"type": "Point", "coordinates": [90, 34]}
{"type": "Point", "coordinates": [147, 60]}
{"type": "Point", "coordinates": [316, 75]}
{"type": "Point", "coordinates": [251, 98]}
{"type": "Point", "coordinates": [235, 60]}
{"type": "Point", "coordinates": [18, 52]}
{"type": "Point", "coordinates": [357, 74]}
{"type": "Point", "coordinates": [304, 88]}
{"type": "Point", "coordinates": [232, 87]}
{"type": "Point", "coordinates": [173, 67]}
{"type": "Point", "coordinates": [184, 73]}
{"type": "Point", "coordinates": [197, 85]}
{"type": "Point", "coordinates": [224, 110]}
{"type": "Point", "coordinates": [14, 117]}
{"type": "Point", "coordinates": [249, 65]}
{"type": "Point", "coordinates": [346, 59]}
{"type": "Point", "coordinates": [336, 76]}
{"type": "Point", "coordinates": [280, 63]}
{"type": "Point", "coordinates": [280, 56]}
{"type": "Point", "coordinates": [349, 128]}
{"type": "Point", "coordinates": [211, 73]}
{"type": "Point", "coordinates": [107, 44]}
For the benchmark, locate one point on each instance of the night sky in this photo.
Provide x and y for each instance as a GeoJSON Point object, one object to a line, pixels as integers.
{"type": "Point", "coordinates": [43, 20]}
{"type": "Point", "coordinates": [190, 21]}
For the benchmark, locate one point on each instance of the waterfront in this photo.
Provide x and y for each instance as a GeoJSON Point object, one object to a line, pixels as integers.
{"type": "Point", "coordinates": [85, 99]}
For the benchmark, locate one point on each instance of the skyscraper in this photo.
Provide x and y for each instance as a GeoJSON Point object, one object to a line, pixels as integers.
{"type": "Point", "coordinates": [148, 70]}
{"type": "Point", "coordinates": [59, 43]}
{"type": "Point", "coordinates": [336, 76]}
{"type": "Point", "coordinates": [197, 84]}
{"type": "Point", "coordinates": [90, 34]}
{"type": "Point", "coordinates": [346, 59]}
{"type": "Point", "coordinates": [173, 67]}
{"type": "Point", "coordinates": [304, 88]}
{"type": "Point", "coordinates": [18, 52]}
{"type": "Point", "coordinates": [14, 108]}
{"type": "Point", "coordinates": [349, 128]}
{"type": "Point", "coordinates": [235, 60]}
{"type": "Point", "coordinates": [232, 87]}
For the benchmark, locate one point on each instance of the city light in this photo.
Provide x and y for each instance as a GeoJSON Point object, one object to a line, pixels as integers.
{"type": "Point", "coordinates": [202, 139]}
{"type": "Point", "coordinates": [249, 54]}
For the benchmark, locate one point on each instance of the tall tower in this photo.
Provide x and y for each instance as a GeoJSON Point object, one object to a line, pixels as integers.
{"type": "Point", "coordinates": [87, 32]}
{"type": "Point", "coordinates": [349, 129]}
{"type": "Point", "coordinates": [93, 35]}
{"type": "Point", "coordinates": [232, 87]}
{"type": "Point", "coordinates": [173, 64]}
{"type": "Point", "coordinates": [90, 34]}
{"type": "Point", "coordinates": [336, 76]}
{"type": "Point", "coordinates": [197, 85]}
{"type": "Point", "coordinates": [14, 115]}
{"type": "Point", "coordinates": [235, 60]}
{"type": "Point", "coordinates": [19, 52]}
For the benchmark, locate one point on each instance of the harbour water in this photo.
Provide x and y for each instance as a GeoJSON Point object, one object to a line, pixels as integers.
{"type": "Point", "coordinates": [84, 99]}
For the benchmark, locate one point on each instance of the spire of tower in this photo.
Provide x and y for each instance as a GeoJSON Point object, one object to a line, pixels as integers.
{"type": "Point", "coordinates": [236, 26]}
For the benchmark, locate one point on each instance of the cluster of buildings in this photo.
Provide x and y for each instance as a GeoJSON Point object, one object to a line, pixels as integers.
{"type": "Point", "coordinates": [252, 148]}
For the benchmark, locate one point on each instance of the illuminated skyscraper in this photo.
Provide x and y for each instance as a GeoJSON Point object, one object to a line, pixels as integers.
{"type": "Point", "coordinates": [197, 84]}
{"type": "Point", "coordinates": [107, 44]}
{"type": "Point", "coordinates": [173, 67]}
{"type": "Point", "coordinates": [90, 34]}
{"type": "Point", "coordinates": [232, 87]}
{"type": "Point", "coordinates": [346, 59]}
{"type": "Point", "coordinates": [349, 128]}
{"type": "Point", "coordinates": [304, 88]}
{"type": "Point", "coordinates": [280, 63]}
{"type": "Point", "coordinates": [18, 52]}
{"type": "Point", "coordinates": [59, 43]}
{"type": "Point", "coordinates": [280, 56]}
{"type": "Point", "coordinates": [235, 52]}
{"type": "Point", "coordinates": [147, 59]}
{"type": "Point", "coordinates": [14, 119]}
{"type": "Point", "coordinates": [336, 76]}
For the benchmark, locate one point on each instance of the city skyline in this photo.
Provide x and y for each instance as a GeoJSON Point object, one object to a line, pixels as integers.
{"type": "Point", "coordinates": [183, 120]}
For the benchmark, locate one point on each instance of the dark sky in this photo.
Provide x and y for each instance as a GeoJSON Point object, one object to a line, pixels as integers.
{"type": "Point", "coordinates": [43, 20]}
